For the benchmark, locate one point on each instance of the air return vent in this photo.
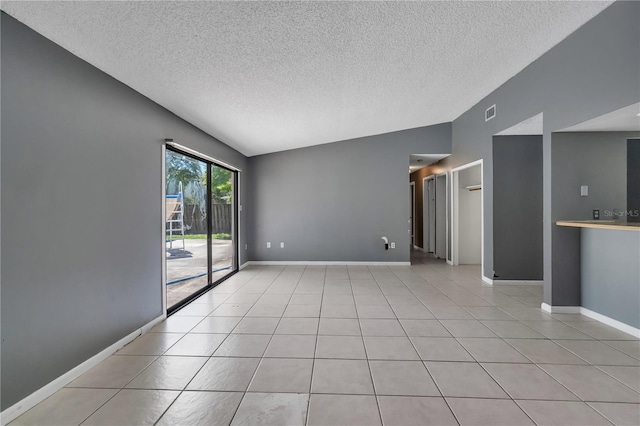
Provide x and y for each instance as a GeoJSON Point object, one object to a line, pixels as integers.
{"type": "Point", "coordinates": [490, 112]}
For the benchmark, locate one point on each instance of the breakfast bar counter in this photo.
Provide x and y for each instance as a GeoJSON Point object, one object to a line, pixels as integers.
{"type": "Point", "coordinates": [610, 269]}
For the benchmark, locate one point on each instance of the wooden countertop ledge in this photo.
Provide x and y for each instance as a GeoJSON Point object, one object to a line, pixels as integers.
{"type": "Point", "coordinates": [601, 224]}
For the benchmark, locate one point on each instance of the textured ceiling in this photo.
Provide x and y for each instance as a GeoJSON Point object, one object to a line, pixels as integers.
{"type": "Point", "coordinates": [418, 161]}
{"type": "Point", "coordinates": [271, 76]}
{"type": "Point", "coordinates": [625, 119]}
{"type": "Point", "coordinates": [530, 126]}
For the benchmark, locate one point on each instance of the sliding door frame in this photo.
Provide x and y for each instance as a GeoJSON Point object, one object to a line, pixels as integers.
{"type": "Point", "coordinates": [210, 162]}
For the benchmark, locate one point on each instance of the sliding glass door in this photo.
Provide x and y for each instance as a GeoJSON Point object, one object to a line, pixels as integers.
{"type": "Point", "coordinates": [200, 225]}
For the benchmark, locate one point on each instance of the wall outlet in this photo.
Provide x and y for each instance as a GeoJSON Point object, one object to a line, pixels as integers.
{"type": "Point", "coordinates": [281, 245]}
{"type": "Point", "coordinates": [246, 246]}
{"type": "Point", "coordinates": [268, 244]}
{"type": "Point", "coordinates": [393, 245]}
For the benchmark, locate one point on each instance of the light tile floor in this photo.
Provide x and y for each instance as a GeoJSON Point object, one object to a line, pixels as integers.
{"type": "Point", "coordinates": [423, 345]}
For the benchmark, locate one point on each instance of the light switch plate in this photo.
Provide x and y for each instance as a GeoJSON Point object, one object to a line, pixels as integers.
{"type": "Point", "coordinates": [584, 191]}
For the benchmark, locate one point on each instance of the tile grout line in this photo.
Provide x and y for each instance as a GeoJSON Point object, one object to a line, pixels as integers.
{"type": "Point", "coordinates": [209, 357]}
{"type": "Point", "coordinates": [315, 349]}
{"type": "Point", "coordinates": [244, 393]}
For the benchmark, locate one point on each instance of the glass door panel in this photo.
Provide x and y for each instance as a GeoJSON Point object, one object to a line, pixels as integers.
{"type": "Point", "coordinates": [186, 227]}
{"type": "Point", "coordinates": [222, 222]}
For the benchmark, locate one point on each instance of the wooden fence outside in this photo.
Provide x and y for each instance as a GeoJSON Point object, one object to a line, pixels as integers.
{"type": "Point", "coordinates": [222, 219]}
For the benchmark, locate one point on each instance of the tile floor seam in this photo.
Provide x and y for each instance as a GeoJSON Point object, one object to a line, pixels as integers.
{"type": "Point", "coordinates": [102, 405]}
{"type": "Point", "coordinates": [244, 393]}
{"type": "Point", "coordinates": [366, 353]}
{"type": "Point", "coordinates": [315, 350]}
{"type": "Point", "coordinates": [615, 378]}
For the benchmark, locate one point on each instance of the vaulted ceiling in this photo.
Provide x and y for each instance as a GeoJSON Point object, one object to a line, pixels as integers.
{"type": "Point", "coordinates": [271, 76]}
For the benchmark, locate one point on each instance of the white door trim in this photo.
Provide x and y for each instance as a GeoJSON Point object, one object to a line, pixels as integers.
{"type": "Point", "coordinates": [163, 281]}
{"type": "Point", "coordinates": [454, 214]}
{"type": "Point", "coordinates": [412, 231]}
{"type": "Point", "coordinates": [446, 215]}
{"type": "Point", "coordinates": [425, 216]}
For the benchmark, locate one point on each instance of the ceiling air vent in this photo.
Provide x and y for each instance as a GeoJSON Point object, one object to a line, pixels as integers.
{"type": "Point", "coordinates": [490, 112]}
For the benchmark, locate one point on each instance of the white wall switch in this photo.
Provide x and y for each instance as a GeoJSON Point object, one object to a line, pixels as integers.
{"type": "Point", "coordinates": [246, 246]}
{"type": "Point", "coordinates": [268, 244]}
{"type": "Point", "coordinates": [584, 190]}
{"type": "Point", "coordinates": [281, 245]}
{"type": "Point", "coordinates": [393, 245]}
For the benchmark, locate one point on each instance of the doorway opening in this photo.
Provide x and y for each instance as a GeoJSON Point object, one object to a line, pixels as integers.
{"type": "Point", "coordinates": [429, 217]}
{"type": "Point", "coordinates": [429, 207]}
{"type": "Point", "coordinates": [467, 215]}
{"type": "Point", "coordinates": [412, 221]}
{"type": "Point", "coordinates": [441, 222]}
{"type": "Point", "coordinates": [200, 225]}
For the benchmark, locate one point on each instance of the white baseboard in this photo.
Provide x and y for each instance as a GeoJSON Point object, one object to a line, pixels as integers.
{"type": "Point", "coordinates": [516, 282]}
{"type": "Point", "coordinates": [22, 406]}
{"type": "Point", "coordinates": [635, 332]}
{"type": "Point", "coordinates": [560, 309]}
{"type": "Point", "coordinates": [324, 263]}
{"type": "Point", "coordinates": [415, 247]}
{"type": "Point", "coordinates": [449, 262]}
{"type": "Point", "coordinates": [487, 280]}
{"type": "Point", "coordinates": [244, 265]}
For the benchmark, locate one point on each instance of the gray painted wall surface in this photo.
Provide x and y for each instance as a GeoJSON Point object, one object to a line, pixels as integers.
{"type": "Point", "coordinates": [611, 274]}
{"type": "Point", "coordinates": [599, 160]}
{"type": "Point", "coordinates": [593, 71]}
{"type": "Point", "coordinates": [81, 208]}
{"type": "Point", "coordinates": [596, 159]}
{"type": "Point", "coordinates": [517, 207]}
{"type": "Point", "coordinates": [333, 202]}
{"type": "Point", "coordinates": [633, 180]}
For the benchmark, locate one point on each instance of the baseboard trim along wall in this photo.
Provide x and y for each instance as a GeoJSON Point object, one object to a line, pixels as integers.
{"type": "Point", "coordinates": [52, 387]}
{"type": "Point", "coordinates": [323, 263]}
{"type": "Point", "coordinates": [635, 332]}
{"type": "Point", "coordinates": [517, 282]}
{"type": "Point", "coordinates": [244, 265]}
{"type": "Point", "coordinates": [560, 309]}
{"type": "Point", "coordinates": [487, 280]}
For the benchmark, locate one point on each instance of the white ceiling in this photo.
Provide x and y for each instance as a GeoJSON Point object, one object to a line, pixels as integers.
{"type": "Point", "coordinates": [271, 76]}
{"type": "Point", "coordinates": [625, 119]}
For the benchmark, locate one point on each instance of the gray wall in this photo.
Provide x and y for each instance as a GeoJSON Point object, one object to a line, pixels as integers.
{"type": "Point", "coordinates": [633, 180]}
{"type": "Point", "coordinates": [593, 71]}
{"type": "Point", "coordinates": [333, 202]}
{"type": "Point", "coordinates": [599, 160]}
{"type": "Point", "coordinates": [81, 208]}
{"type": "Point", "coordinates": [517, 207]}
{"type": "Point", "coordinates": [611, 274]}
